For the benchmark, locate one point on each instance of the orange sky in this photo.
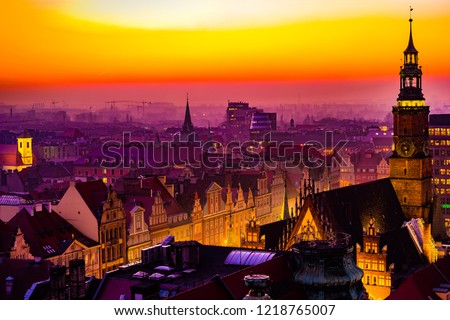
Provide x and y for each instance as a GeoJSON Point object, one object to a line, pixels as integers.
{"type": "Point", "coordinates": [73, 43]}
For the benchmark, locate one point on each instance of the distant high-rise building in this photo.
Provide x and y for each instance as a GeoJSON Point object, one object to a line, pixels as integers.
{"type": "Point", "coordinates": [262, 123]}
{"type": "Point", "coordinates": [440, 149]}
{"type": "Point", "coordinates": [239, 117]}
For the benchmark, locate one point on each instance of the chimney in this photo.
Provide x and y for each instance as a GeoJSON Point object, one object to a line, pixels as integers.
{"type": "Point", "coordinates": [9, 284]}
{"type": "Point", "coordinates": [38, 207]}
{"type": "Point", "coordinates": [77, 279]}
{"type": "Point", "coordinates": [57, 282]}
{"type": "Point", "coordinates": [48, 205]}
{"type": "Point", "coordinates": [181, 188]}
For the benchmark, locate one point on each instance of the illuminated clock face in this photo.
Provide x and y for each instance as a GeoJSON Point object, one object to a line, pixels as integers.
{"type": "Point", "coordinates": [405, 148]}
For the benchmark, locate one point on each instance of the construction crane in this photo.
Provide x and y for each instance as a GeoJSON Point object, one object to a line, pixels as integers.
{"type": "Point", "coordinates": [137, 104]}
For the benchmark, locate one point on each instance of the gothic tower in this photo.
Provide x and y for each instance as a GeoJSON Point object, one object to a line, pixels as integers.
{"type": "Point", "coordinates": [410, 163]}
{"type": "Point", "coordinates": [187, 131]}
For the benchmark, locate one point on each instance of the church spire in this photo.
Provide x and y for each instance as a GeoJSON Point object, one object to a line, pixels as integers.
{"type": "Point", "coordinates": [410, 49]}
{"type": "Point", "coordinates": [188, 127]}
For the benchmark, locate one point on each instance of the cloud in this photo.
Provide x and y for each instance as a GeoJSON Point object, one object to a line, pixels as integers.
{"type": "Point", "coordinates": [220, 14]}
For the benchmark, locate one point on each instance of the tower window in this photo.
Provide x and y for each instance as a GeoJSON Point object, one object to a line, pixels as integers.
{"type": "Point", "coordinates": [404, 171]}
{"type": "Point", "coordinates": [28, 144]}
{"type": "Point", "coordinates": [20, 144]}
{"type": "Point", "coordinates": [404, 199]}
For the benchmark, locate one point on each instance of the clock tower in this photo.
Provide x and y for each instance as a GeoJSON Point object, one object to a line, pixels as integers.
{"type": "Point", "coordinates": [410, 163]}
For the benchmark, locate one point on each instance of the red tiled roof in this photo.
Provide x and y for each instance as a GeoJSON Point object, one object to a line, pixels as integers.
{"type": "Point", "coordinates": [9, 155]}
{"type": "Point", "coordinates": [25, 273]}
{"type": "Point", "coordinates": [171, 206]}
{"type": "Point", "coordinates": [145, 202]}
{"type": "Point", "coordinates": [94, 193]}
{"type": "Point", "coordinates": [47, 233]}
{"type": "Point", "coordinates": [25, 134]}
{"type": "Point", "coordinates": [419, 286]}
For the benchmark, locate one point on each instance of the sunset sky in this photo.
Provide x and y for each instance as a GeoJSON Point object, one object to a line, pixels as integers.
{"type": "Point", "coordinates": [86, 51]}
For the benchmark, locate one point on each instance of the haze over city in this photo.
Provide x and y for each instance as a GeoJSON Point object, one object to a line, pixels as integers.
{"type": "Point", "coordinates": [87, 52]}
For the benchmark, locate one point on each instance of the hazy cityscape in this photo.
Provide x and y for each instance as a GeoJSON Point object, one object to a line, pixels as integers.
{"type": "Point", "coordinates": [215, 189]}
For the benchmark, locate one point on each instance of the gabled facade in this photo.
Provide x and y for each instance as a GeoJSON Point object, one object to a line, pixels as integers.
{"type": "Point", "coordinates": [45, 235]}
{"type": "Point", "coordinates": [100, 215]}
{"type": "Point", "coordinates": [372, 259]}
{"type": "Point", "coordinates": [138, 233]}
{"type": "Point", "coordinates": [112, 231]}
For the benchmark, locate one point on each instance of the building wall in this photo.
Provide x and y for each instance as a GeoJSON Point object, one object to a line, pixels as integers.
{"type": "Point", "coordinates": [73, 208]}
{"type": "Point", "coordinates": [113, 234]}
{"type": "Point", "coordinates": [440, 151]}
{"type": "Point", "coordinates": [372, 260]}
{"type": "Point", "coordinates": [138, 235]}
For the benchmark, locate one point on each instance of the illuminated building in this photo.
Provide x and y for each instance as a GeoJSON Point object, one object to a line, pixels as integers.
{"type": "Point", "coordinates": [43, 234]}
{"type": "Point", "coordinates": [99, 214]}
{"type": "Point", "coordinates": [262, 123]}
{"type": "Point", "coordinates": [440, 149]}
{"type": "Point", "coordinates": [372, 258]}
{"type": "Point", "coordinates": [19, 156]}
{"type": "Point", "coordinates": [410, 163]}
{"type": "Point", "coordinates": [239, 116]}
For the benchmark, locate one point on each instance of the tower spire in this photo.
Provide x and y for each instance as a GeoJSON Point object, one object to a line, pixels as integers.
{"type": "Point", "coordinates": [188, 127]}
{"type": "Point", "coordinates": [410, 74]}
{"type": "Point", "coordinates": [410, 49]}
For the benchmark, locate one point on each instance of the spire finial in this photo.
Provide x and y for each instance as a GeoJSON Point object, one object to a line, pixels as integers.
{"type": "Point", "coordinates": [410, 48]}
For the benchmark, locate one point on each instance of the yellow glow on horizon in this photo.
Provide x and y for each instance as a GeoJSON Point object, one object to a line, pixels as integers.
{"type": "Point", "coordinates": [44, 46]}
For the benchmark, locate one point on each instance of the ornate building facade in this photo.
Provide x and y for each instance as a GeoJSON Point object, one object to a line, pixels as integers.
{"type": "Point", "coordinates": [112, 231]}
{"type": "Point", "coordinates": [372, 259]}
